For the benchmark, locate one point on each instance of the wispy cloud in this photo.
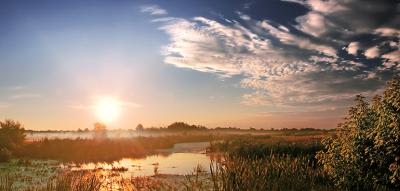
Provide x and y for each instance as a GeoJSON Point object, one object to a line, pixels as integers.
{"type": "Point", "coordinates": [129, 104]}
{"type": "Point", "coordinates": [4, 105]}
{"type": "Point", "coordinates": [120, 103]}
{"type": "Point", "coordinates": [153, 10]}
{"type": "Point", "coordinates": [298, 65]}
{"type": "Point", "coordinates": [25, 96]}
{"type": "Point", "coordinates": [16, 88]}
{"type": "Point", "coordinates": [80, 107]}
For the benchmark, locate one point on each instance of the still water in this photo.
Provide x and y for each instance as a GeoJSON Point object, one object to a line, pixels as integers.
{"type": "Point", "coordinates": [182, 159]}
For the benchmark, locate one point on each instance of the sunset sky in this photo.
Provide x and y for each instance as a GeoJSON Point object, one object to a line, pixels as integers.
{"type": "Point", "coordinates": [248, 63]}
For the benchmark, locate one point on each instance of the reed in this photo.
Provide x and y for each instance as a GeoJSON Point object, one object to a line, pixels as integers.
{"type": "Point", "coordinates": [252, 165]}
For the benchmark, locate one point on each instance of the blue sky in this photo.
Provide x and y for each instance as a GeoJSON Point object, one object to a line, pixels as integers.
{"type": "Point", "coordinates": [264, 64]}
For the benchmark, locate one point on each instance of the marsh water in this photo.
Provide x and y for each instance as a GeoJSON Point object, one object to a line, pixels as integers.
{"type": "Point", "coordinates": [182, 159]}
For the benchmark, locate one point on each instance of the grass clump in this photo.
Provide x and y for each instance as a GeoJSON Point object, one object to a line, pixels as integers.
{"type": "Point", "coordinates": [252, 165]}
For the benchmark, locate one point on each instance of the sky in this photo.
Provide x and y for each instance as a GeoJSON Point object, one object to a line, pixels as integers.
{"type": "Point", "coordinates": [248, 63]}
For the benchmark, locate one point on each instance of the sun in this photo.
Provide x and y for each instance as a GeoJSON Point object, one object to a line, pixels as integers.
{"type": "Point", "coordinates": [107, 109]}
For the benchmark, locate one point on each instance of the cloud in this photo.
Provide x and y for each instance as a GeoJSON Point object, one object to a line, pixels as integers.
{"type": "Point", "coordinates": [153, 10]}
{"type": "Point", "coordinates": [16, 88]}
{"type": "Point", "coordinates": [129, 104]}
{"type": "Point", "coordinates": [25, 96]}
{"type": "Point", "coordinates": [120, 103]}
{"type": "Point", "coordinates": [392, 61]}
{"type": "Point", "coordinates": [353, 48]}
{"type": "Point", "coordinates": [296, 65]}
{"type": "Point", "coordinates": [81, 107]}
{"type": "Point", "coordinates": [243, 16]}
{"type": "Point", "coordinates": [387, 32]}
{"type": "Point", "coordinates": [4, 105]}
{"type": "Point", "coordinates": [372, 52]}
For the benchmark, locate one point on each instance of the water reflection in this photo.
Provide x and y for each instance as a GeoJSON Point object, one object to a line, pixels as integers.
{"type": "Point", "coordinates": [182, 159]}
{"type": "Point", "coordinates": [175, 163]}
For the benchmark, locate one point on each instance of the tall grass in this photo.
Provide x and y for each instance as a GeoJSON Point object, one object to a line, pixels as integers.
{"type": "Point", "coordinates": [274, 172]}
{"type": "Point", "coordinates": [6, 183]}
{"type": "Point", "coordinates": [252, 165]}
{"type": "Point", "coordinates": [107, 181]}
{"type": "Point", "coordinates": [77, 181]}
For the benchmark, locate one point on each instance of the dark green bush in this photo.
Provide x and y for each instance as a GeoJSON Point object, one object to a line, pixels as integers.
{"type": "Point", "coordinates": [365, 154]}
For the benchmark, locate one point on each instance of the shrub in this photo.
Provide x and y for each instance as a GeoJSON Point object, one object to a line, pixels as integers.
{"type": "Point", "coordinates": [5, 155]}
{"type": "Point", "coordinates": [365, 154]}
{"type": "Point", "coordinates": [12, 134]}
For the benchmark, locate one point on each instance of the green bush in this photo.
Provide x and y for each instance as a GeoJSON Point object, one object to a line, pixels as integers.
{"type": "Point", "coordinates": [365, 153]}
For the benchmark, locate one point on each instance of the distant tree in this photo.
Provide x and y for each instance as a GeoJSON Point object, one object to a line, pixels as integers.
{"type": "Point", "coordinates": [139, 127]}
{"type": "Point", "coordinates": [365, 153]}
{"type": "Point", "coordinates": [12, 134]}
{"type": "Point", "coordinates": [99, 131]}
{"type": "Point", "coordinates": [181, 126]}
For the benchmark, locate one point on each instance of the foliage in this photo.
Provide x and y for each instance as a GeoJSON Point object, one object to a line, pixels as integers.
{"type": "Point", "coordinates": [5, 155]}
{"type": "Point", "coordinates": [181, 126]}
{"type": "Point", "coordinates": [365, 153]}
{"type": "Point", "coordinates": [12, 134]}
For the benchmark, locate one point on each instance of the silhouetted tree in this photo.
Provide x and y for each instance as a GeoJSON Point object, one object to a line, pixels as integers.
{"type": "Point", "coordinates": [99, 131]}
{"type": "Point", "coordinates": [12, 134]}
{"type": "Point", "coordinates": [139, 127]}
{"type": "Point", "coordinates": [181, 126]}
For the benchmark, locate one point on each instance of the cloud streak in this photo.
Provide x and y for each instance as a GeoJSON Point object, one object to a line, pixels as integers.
{"type": "Point", "coordinates": [153, 10]}
{"type": "Point", "coordinates": [120, 103]}
{"type": "Point", "coordinates": [25, 96]}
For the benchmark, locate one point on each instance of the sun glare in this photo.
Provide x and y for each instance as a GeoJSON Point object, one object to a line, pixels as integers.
{"type": "Point", "coordinates": [107, 109]}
